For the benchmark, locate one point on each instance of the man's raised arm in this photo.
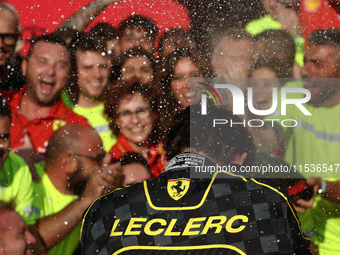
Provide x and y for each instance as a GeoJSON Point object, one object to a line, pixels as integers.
{"type": "Point", "coordinates": [83, 17]}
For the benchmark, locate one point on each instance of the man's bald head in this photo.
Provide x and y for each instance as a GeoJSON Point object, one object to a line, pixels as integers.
{"type": "Point", "coordinates": [9, 24]}
{"type": "Point", "coordinates": [8, 13]}
{"type": "Point", "coordinates": [68, 139]}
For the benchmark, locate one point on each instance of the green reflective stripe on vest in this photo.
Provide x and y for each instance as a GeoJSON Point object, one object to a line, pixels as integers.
{"type": "Point", "coordinates": [319, 134]}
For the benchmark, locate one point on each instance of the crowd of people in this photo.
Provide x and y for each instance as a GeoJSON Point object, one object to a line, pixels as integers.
{"type": "Point", "coordinates": [86, 113]}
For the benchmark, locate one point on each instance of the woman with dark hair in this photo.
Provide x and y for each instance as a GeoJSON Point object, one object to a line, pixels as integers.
{"type": "Point", "coordinates": [178, 68]}
{"type": "Point", "coordinates": [136, 64]}
{"type": "Point", "coordinates": [135, 119]}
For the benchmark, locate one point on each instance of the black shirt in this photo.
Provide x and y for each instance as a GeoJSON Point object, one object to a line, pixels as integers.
{"type": "Point", "coordinates": [14, 80]}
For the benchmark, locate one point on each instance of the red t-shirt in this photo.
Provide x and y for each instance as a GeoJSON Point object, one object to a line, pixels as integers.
{"type": "Point", "coordinates": [39, 129]}
{"type": "Point", "coordinates": [122, 146]}
{"type": "Point", "coordinates": [317, 14]}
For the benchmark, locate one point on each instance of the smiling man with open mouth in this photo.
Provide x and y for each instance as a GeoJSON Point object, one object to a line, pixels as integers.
{"type": "Point", "coordinates": [37, 110]}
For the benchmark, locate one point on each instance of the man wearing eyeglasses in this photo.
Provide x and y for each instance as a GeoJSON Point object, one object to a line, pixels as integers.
{"type": "Point", "coordinates": [11, 77]}
{"type": "Point", "coordinates": [75, 173]}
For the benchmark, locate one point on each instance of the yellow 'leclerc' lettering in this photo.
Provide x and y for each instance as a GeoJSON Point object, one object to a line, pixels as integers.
{"type": "Point", "coordinates": [190, 225]}
{"type": "Point", "coordinates": [169, 232]}
{"type": "Point", "coordinates": [132, 224]}
{"type": "Point", "coordinates": [149, 232]}
{"type": "Point", "coordinates": [113, 233]}
{"type": "Point", "coordinates": [217, 225]}
{"type": "Point", "coordinates": [229, 224]}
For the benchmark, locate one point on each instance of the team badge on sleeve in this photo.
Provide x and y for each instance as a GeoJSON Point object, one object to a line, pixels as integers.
{"type": "Point", "coordinates": [177, 188]}
{"type": "Point", "coordinates": [58, 124]}
{"type": "Point", "coordinates": [312, 5]}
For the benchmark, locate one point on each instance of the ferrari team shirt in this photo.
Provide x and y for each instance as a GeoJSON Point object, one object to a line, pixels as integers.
{"type": "Point", "coordinates": [155, 164]}
{"type": "Point", "coordinates": [40, 129]}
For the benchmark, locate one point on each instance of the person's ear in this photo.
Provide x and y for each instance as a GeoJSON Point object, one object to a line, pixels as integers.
{"type": "Point", "coordinates": [69, 163]}
{"type": "Point", "coordinates": [239, 159]}
{"type": "Point", "coordinates": [164, 159]}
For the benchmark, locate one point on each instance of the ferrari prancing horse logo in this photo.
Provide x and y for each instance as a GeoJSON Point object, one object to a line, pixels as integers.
{"type": "Point", "coordinates": [58, 124]}
{"type": "Point", "coordinates": [312, 5]}
{"type": "Point", "coordinates": [177, 188]}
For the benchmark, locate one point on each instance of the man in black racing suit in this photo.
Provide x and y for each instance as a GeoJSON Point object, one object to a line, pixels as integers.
{"type": "Point", "coordinates": [179, 214]}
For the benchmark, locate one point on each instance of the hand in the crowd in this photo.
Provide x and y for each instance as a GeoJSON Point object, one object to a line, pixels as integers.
{"type": "Point", "coordinates": [112, 1]}
{"type": "Point", "coordinates": [289, 19]}
{"type": "Point", "coordinates": [301, 205]}
{"type": "Point", "coordinates": [115, 171]}
{"type": "Point", "coordinates": [27, 144]}
{"type": "Point", "coordinates": [107, 178]}
{"type": "Point", "coordinates": [297, 71]}
{"type": "Point", "coordinates": [228, 69]}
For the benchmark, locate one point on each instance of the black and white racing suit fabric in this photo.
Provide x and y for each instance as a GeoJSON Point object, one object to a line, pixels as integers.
{"type": "Point", "coordinates": [175, 214]}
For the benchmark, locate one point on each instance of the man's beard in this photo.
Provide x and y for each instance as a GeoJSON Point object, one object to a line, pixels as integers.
{"type": "Point", "coordinates": [4, 71]}
{"type": "Point", "coordinates": [77, 184]}
{"type": "Point", "coordinates": [77, 187]}
{"type": "Point", "coordinates": [32, 91]}
{"type": "Point", "coordinates": [51, 102]}
{"type": "Point", "coordinates": [324, 96]}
